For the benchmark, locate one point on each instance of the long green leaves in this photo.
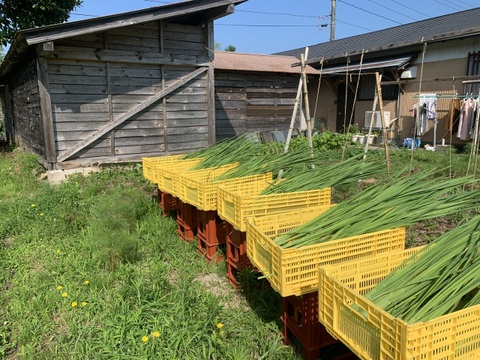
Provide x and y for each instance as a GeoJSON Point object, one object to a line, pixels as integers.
{"type": "Point", "coordinates": [326, 175]}
{"type": "Point", "coordinates": [271, 158]}
{"type": "Point", "coordinates": [399, 202]}
{"type": "Point", "coordinates": [229, 151]}
{"type": "Point", "coordinates": [438, 280]}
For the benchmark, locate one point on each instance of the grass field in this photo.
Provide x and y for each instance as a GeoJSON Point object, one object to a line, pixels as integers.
{"type": "Point", "coordinates": [90, 270]}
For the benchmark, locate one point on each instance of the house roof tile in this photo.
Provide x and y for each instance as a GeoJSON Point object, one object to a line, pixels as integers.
{"type": "Point", "coordinates": [225, 60]}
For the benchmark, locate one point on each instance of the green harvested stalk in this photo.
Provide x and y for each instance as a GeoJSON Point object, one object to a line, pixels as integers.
{"type": "Point", "coordinates": [271, 158]}
{"type": "Point", "coordinates": [226, 152]}
{"type": "Point", "coordinates": [401, 202]}
{"type": "Point", "coordinates": [326, 175]}
{"type": "Point", "coordinates": [439, 279]}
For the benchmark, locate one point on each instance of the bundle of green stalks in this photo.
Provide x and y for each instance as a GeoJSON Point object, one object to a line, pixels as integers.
{"type": "Point", "coordinates": [396, 203]}
{"type": "Point", "coordinates": [229, 151]}
{"type": "Point", "coordinates": [271, 158]}
{"type": "Point", "coordinates": [440, 279]}
{"type": "Point", "coordinates": [327, 175]}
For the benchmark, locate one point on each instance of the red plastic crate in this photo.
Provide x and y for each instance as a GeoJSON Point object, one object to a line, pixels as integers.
{"type": "Point", "coordinates": [166, 202]}
{"type": "Point", "coordinates": [237, 260]}
{"type": "Point", "coordinates": [210, 235]}
{"type": "Point", "coordinates": [300, 322]}
{"type": "Point", "coordinates": [186, 221]}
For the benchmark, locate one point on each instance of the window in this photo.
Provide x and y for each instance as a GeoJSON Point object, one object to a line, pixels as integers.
{"type": "Point", "coordinates": [472, 70]}
{"type": "Point", "coordinates": [367, 88]}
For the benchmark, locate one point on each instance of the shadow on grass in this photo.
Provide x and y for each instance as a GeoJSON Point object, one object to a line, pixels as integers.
{"type": "Point", "coordinates": [267, 304]}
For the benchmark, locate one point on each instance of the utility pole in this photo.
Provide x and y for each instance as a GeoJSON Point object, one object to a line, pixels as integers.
{"type": "Point", "coordinates": [332, 20]}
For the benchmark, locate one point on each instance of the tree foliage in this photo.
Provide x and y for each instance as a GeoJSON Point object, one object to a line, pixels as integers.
{"type": "Point", "coordinates": [25, 14]}
{"type": "Point", "coordinates": [230, 48]}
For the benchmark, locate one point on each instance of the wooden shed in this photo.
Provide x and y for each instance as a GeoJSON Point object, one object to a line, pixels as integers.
{"type": "Point", "coordinates": [115, 88]}
{"type": "Point", "coordinates": [255, 92]}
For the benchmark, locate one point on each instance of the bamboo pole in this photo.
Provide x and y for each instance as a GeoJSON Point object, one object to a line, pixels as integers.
{"type": "Point", "coordinates": [295, 107]}
{"type": "Point", "coordinates": [294, 115]}
{"type": "Point", "coordinates": [382, 116]}
{"type": "Point", "coordinates": [306, 102]}
{"type": "Point", "coordinates": [474, 151]}
{"type": "Point", "coordinates": [375, 101]}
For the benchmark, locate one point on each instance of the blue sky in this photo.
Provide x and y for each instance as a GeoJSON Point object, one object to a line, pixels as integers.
{"type": "Point", "coordinates": [269, 26]}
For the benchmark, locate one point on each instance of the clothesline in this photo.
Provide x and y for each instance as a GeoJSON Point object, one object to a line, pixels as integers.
{"type": "Point", "coordinates": [441, 96]}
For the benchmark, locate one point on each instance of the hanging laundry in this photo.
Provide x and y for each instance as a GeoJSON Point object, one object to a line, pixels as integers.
{"type": "Point", "coordinates": [466, 119]}
{"type": "Point", "coordinates": [430, 106]}
{"type": "Point", "coordinates": [419, 115]}
{"type": "Point", "coordinates": [424, 110]}
{"type": "Point", "coordinates": [453, 115]}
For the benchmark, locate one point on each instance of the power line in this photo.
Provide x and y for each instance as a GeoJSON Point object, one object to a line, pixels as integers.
{"type": "Point", "coordinates": [273, 13]}
{"type": "Point", "coordinates": [265, 25]}
{"type": "Point", "coordinates": [448, 5]}
{"type": "Point", "coordinates": [86, 15]}
{"type": "Point", "coordinates": [385, 7]}
{"type": "Point", "coordinates": [357, 26]}
{"type": "Point", "coordinates": [466, 3]}
{"type": "Point", "coordinates": [369, 12]}
{"type": "Point", "coordinates": [158, 1]}
{"type": "Point", "coordinates": [409, 8]}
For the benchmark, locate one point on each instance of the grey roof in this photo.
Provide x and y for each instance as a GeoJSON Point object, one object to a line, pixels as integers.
{"type": "Point", "coordinates": [185, 9]}
{"type": "Point", "coordinates": [192, 11]}
{"type": "Point", "coordinates": [460, 24]}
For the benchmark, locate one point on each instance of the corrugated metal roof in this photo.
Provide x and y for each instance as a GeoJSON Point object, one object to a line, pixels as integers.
{"type": "Point", "coordinates": [227, 60]}
{"type": "Point", "coordinates": [460, 24]}
{"type": "Point", "coordinates": [102, 23]}
{"type": "Point", "coordinates": [393, 63]}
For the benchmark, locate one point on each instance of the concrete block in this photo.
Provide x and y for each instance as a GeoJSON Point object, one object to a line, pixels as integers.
{"type": "Point", "coordinates": [56, 176]}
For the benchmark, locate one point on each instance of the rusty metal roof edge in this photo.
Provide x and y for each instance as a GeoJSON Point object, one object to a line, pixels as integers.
{"type": "Point", "coordinates": [253, 57]}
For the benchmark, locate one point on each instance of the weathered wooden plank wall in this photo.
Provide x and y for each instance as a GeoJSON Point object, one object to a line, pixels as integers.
{"type": "Point", "coordinates": [3, 110]}
{"type": "Point", "coordinates": [95, 78]}
{"type": "Point", "coordinates": [25, 108]}
{"type": "Point", "coordinates": [253, 101]}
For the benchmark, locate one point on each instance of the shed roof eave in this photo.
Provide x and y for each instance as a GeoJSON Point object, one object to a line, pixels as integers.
{"type": "Point", "coordinates": [368, 67]}
{"type": "Point", "coordinates": [176, 10]}
{"type": "Point", "coordinates": [11, 58]}
{"type": "Point", "coordinates": [210, 10]}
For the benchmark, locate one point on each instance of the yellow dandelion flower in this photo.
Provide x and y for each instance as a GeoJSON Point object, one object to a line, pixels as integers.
{"type": "Point", "coordinates": [58, 251]}
{"type": "Point", "coordinates": [41, 214]}
{"type": "Point", "coordinates": [155, 334]}
{"type": "Point", "coordinates": [33, 205]}
{"type": "Point", "coordinates": [59, 287]}
{"type": "Point", "coordinates": [86, 282]}
{"type": "Point", "coordinates": [74, 304]}
{"type": "Point", "coordinates": [219, 325]}
{"type": "Point", "coordinates": [84, 303]}
{"type": "Point", "coordinates": [144, 339]}
{"type": "Point", "coordinates": [64, 294]}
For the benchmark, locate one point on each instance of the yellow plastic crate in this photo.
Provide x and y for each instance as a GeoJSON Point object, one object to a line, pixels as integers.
{"type": "Point", "coordinates": [167, 174]}
{"type": "Point", "coordinates": [373, 333]}
{"type": "Point", "coordinates": [236, 202]}
{"type": "Point", "coordinates": [295, 271]}
{"type": "Point", "coordinates": [198, 189]}
{"type": "Point", "coordinates": [149, 165]}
